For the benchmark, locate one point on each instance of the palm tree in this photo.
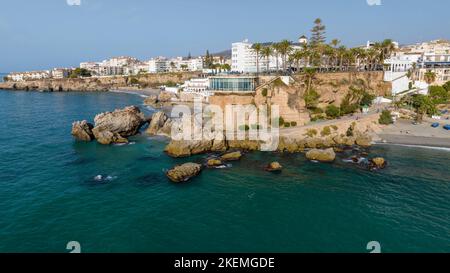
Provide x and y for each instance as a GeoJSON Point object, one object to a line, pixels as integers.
{"type": "Point", "coordinates": [310, 73]}
{"type": "Point", "coordinates": [257, 48]}
{"type": "Point", "coordinates": [284, 48]}
{"type": "Point", "coordinates": [341, 52]}
{"type": "Point", "coordinates": [276, 52]}
{"type": "Point", "coordinates": [267, 52]}
{"type": "Point", "coordinates": [430, 77]}
{"type": "Point", "coordinates": [296, 57]}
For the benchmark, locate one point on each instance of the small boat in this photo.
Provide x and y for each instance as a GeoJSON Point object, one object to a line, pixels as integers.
{"type": "Point", "coordinates": [435, 125]}
{"type": "Point", "coordinates": [447, 127]}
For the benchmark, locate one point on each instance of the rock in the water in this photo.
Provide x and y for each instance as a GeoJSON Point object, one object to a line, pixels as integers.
{"type": "Point", "coordinates": [184, 172]}
{"type": "Point", "coordinates": [118, 124]}
{"type": "Point", "coordinates": [378, 162]}
{"type": "Point", "coordinates": [151, 100]}
{"type": "Point", "coordinates": [106, 137]}
{"type": "Point", "coordinates": [82, 130]}
{"type": "Point", "coordinates": [178, 148]}
{"type": "Point", "coordinates": [234, 156]}
{"type": "Point", "coordinates": [214, 162]}
{"type": "Point", "coordinates": [157, 123]}
{"type": "Point", "coordinates": [166, 97]}
{"type": "Point", "coordinates": [327, 155]}
{"type": "Point", "coordinates": [274, 167]}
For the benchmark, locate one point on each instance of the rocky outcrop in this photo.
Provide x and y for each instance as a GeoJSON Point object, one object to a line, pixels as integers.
{"type": "Point", "coordinates": [274, 167]}
{"type": "Point", "coordinates": [182, 148]}
{"type": "Point", "coordinates": [233, 156]}
{"type": "Point", "coordinates": [214, 162]}
{"type": "Point", "coordinates": [184, 172]}
{"type": "Point", "coordinates": [378, 163]}
{"type": "Point", "coordinates": [157, 123]}
{"type": "Point", "coordinates": [163, 99]}
{"type": "Point", "coordinates": [110, 127]}
{"type": "Point", "coordinates": [327, 155]}
{"type": "Point", "coordinates": [363, 140]}
{"type": "Point", "coordinates": [82, 131]}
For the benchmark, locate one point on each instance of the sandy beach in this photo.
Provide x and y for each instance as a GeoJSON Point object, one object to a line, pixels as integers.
{"type": "Point", "coordinates": [405, 132]}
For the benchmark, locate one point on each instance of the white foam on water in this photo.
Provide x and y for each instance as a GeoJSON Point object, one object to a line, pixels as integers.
{"type": "Point", "coordinates": [98, 177]}
{"type": "Point", "coordinates": [417, 146]}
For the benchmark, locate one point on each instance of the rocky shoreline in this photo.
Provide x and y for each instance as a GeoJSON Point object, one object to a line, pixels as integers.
{"type": "Point", "coordinates": [117, 126]}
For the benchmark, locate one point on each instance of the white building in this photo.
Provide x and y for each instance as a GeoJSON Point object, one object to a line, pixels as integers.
{"type": "Point", "coordinates": [157, 65]}
{"type": "Point", "coordinates": [60, 73]}
{"type": "Point", "coordinates": [244, 58]}
{"type": "Point", "coordinates": [32, 75]}
{"type": "Point", "coordinates": [198, 86]}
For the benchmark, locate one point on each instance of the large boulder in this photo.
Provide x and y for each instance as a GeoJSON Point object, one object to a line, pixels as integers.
{"type": "Point", "coordinates": [166, 97]}
{"type": "Point", "coordinates": [157, 123]}
{"type": "Point", "coordinates": [184, 148]}
{"type": "Point", "coordinates": [178, 148]}
{"type": "Point", "coordinates": [214, 162]}
{"type": "Point", "coordinates": [363, 140]}
{"type": "Point", "coordinates": [106, 137]}
{"type": "Point", "coordinates": [378, 163]}
{"type": "Point", "coordinates": [184, 172]}
{"type": "Point", "coordinates": [118, 124]}
{"type": "Point", "coordinates": [327, 155]}
{"type": "Point", "coordinates": [82, 130]}
{"type": "Point", "coordinates": [151, 100]}
{"type": "Point", "coordinates": [274, 167]}
{"type": "Point", "coordinates": [234, 156]}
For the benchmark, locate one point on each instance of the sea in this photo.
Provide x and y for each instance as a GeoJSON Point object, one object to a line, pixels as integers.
{"type": "Point", "coordinates": [54, 190]}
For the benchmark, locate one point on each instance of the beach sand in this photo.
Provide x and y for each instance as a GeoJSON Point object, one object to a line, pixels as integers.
{"type": "Point", "coordinates": [405, 132]}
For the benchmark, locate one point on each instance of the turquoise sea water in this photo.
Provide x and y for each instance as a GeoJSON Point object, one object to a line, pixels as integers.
{"type": "Point", "coordinates": [48, 194]}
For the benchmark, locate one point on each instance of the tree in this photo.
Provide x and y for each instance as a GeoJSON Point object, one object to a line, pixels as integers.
{"type": "Point", "coordinates": [80, 72]}
{"type": "Point", "coordinates": [311, 99]}
{"type": "Point", "coordinates": [430, 77]}
{"type": "Point", "coordinates": [317, 33]}
{"type": "Point", "coordinates": [257, 48]}
{"type": "Point", "coordinates": [226, 67]}
{"type": "Point", "coordinates": [310, 74]}
{"type": "Point", "coordinates": [267, 52]}
{"type": "Point", "coordinates": [276, 51]}
{"type": "Point", "coordinates": [284, 47]}
{"type": "Point", "coordinates": [438, 94]}
{"type": "Point", "coordinates": [189, 56]}
{"type": "Point", "coordinates": [297, 56]}
{"type": "Point", "coordinates": [385, 118]}
{"type": "Point", "coordinates": [209, 60]}
{"type": "Point", "coordinates": [423, 105]}
{"type": "Point", "coordinates": [447, 86]}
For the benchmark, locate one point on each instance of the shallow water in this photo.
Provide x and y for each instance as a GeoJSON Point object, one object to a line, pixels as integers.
{"type": "Point", "coordinates": [49, 195]}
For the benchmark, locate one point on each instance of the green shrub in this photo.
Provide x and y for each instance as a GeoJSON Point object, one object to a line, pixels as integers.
{"type": "Point", "coordinates": [334, 127]}
{"type": "Point", "coordinates": [311, 99]}
{"type": "Point", "coordinates": [293, 123]}
{"type": "Point", "coordinates": [447, 86]}
{"type": "Point", "coordinates": [438, 94]}
{"type": "Point", "coordinates": [264, 92]}
{"type": "Point", "coordinates": [317, 110]}
{"type": "Point", "coordinates": [281, 120]}
{"type": "Point", "coordinates": [311, 132]}
{"type": "Point", "coordinates": [287, 124]}
{"type": "Point", "coordinates": [386, 118]}
{"type": "Point", "coordinates": [333, 111]}
{"type": "Point", "coordinates": [134, 81]}
{"type": "Point", "coordinates": [326, 131]}
{"type": "Point", "coordinates": [410, 85]}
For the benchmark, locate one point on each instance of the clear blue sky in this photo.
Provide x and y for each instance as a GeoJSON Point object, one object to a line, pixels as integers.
{"type": "Point", "coordinates": [39, 34]}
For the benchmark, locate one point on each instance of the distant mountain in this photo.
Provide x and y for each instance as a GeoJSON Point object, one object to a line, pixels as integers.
{"type": "Point", "coordinates": [225, 53]}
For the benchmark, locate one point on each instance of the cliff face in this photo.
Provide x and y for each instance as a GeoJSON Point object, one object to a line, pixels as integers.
{"type": "Point", "coordinates": [333, 87]}
{"type": "Point", "coordinates": [97, 84]}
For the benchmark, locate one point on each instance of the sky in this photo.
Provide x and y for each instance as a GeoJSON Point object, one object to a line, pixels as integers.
{"type": "Point", "coordinates": [42, 34]}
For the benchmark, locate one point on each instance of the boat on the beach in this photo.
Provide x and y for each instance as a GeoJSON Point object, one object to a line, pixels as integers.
{"type": "Point", "coordinates": [435, 125]}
